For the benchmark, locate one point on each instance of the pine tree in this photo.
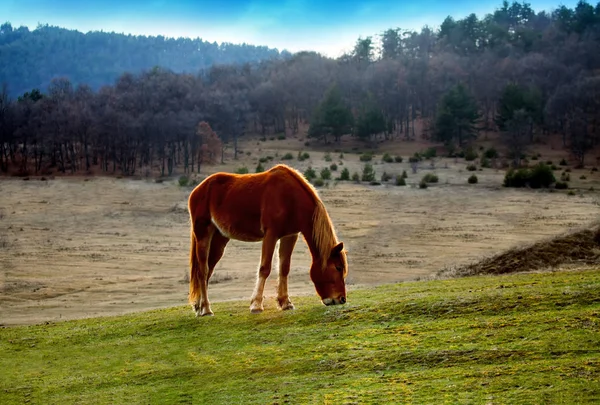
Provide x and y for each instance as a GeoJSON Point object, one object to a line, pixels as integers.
{"type": "Point", "coordinates": [332, 117]}
{"type": "Point", "coordinates": [456, 117]}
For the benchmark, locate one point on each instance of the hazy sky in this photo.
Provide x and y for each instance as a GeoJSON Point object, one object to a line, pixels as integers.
{"type": "Point", "coordinates": [327, 26]}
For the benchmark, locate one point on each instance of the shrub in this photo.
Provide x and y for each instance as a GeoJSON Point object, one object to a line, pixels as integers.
{"type": "Point", "coordinates": [342, 155]}
{"type": "Point", "coordinates": [563, 162]}
{"type": "Point", "coordinates": [472, 179]}
{"type": "Point", "coordinates": [385, 177]}
{"type": "Point", "coordinates": [413, 159]}
{"type": "Point", "coordinates": [423, 184]}
{"type": "Point", "coordinates": [491, 153]}
{"type": "Point", "coordinates": [287, 156]}
{"type": "Point", "coordinates": [400, 181]}
{"type": "Point", "coordinates": [318, 182]}
{"type": "Point", "coordinates": [471, 167]}
{"type": "Point", "coordinates": [387, 158]}
{"type": "Point", "coordinates": [554, 167]}
{"type": "Point", "coordinates": [404, 175]}
{"type": "Point", "coordinates": [310, 173]}
{"type": "Point", "coordinates": [327, 157]}
{"type": "Point", "coordinates": [582, 177]}
{"type": "Point", "coordinates": [281, 137]}
{"type": "Point", "coordinates": [366, 157]}
{"type": "Point", "coordinates": [561, 185]}
{"type": "Point", "coordinates": [539, 176]}
{"type": "Point", "coordinates": [485, 162]}
{"type": "Point", "coordinates": [263, 159]}
{"type": "Point", "coordinates": [345, 174]}
{"type": "Point", "coordinates": [368, 173]}
{"type": "Point", "coordinates": [516, 178]}
{"type": "Point", "coordinates": [470, 155]}
{"type": "Point", "coordinates": [183, 181]}
{"type": "Point", "coordinates": [303, 156]}
{"type": "Point", "coordinates": [333, 167]}
{"type": "Point", "coordinates": [355, 177]}
{"type": "Point", "coordinates": [325, 173]}
{"type": "Point", "coordinates": [242, 170]}
{"type": "Point", "coordinates": [260, 168]}
{"type": "Point", "coordinates": [594, 169]}
{"type": "Point", "coordinates": [398, 159]}
{"type": "Point", "coordinates": [565, 176]}
{"type": "Point", "coordinates": [430, 178]}
{"type": "Point", "coordinates": [430, 153]}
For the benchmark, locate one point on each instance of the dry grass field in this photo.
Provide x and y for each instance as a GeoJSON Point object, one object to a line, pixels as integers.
{"type": "Point", "coordinates": [73, 247]}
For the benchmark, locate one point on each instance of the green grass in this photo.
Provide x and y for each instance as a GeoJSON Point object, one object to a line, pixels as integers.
{"type": "Point", "coordinates": [527, 338]}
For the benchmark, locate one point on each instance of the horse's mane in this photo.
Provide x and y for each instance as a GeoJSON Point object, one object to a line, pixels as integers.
{"type": "Point", "coordinates": [324, 236]}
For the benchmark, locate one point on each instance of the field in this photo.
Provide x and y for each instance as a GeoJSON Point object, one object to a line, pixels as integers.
{"type": "Point", "coordinates": [516, 339]}
{"type": "Point", "coordinates": [82, 247]}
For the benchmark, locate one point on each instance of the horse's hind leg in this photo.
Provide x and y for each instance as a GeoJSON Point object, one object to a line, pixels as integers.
{"type": "Point", "coordinates": [268, 248]}
{"type": "Point", "coordinates": [217, 248]}
{"type": "Point", "coordinates": [286, 247]}
{"type": "Point", "coordinates": [203, 236]}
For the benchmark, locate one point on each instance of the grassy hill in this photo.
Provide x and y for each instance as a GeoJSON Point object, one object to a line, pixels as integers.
{"type": "Point", "coordinates": [520, 338]}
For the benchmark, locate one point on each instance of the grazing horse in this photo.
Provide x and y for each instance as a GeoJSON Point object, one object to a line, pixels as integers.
{"type": "Point", "coordinates": [275, 205]}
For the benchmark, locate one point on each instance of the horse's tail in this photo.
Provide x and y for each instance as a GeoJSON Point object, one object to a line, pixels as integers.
{"type": "Point", "coordinates": [194, 268]}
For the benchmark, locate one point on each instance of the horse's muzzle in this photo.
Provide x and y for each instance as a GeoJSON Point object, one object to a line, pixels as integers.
{"type": "Point", "coordinates": [334, 301]}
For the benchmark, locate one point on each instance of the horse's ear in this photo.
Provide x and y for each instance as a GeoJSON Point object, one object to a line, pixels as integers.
{"type": "Point", "coordinates": [337, 249]}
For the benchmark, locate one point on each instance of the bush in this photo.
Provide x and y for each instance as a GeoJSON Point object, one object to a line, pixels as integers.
{"type": "Point", "coordinates": [423, 184]}
{"type": "Point", "coordinates": [281, 137]}
{"type": "Point", "coordinates": [242, 170]}
{"type": "Point", "coordinates": [582, 177]}
{"type": "Point", "coordinates": [318, 182]}
{"type": "Point", "coordinates": [565, 176]}
{"type": "Point", "coordinates": [385, 177]}
{"type": "Point", "coordinates": [485, 162]}
{"type": "Point", "coordinates": [366, 157]}
{"type": "Point", "coordinates": [183, 181]}
{"type": "Point", "coordinates": [327, 157]}
{"type": "Point", "coordinates": [473, 179]}
{"type": "Point", "coordinates": [413, 159]}
{"type": "Point", "coordinates": [470, 155]}
{"type": "Point", "coordinates": [400, 181]}
{"type": "Point", "coordinates": [561, 185]}
{"type": "Point", "coordinates": [303, 156]}
{"type": "Point", "coordinates": [563, 162]}
{"type": "Point", "coordinates": [471, 167]}
{"type": "Point", "coordinates": [345, 174]}
{"type": "Point", "coordinates": [398, 159]}
{"type": "Point", "coordinates": [260, 168]}
{"type": "Point", "coordinates": [355, 177]}
{"type": "Point", "coordinates": [430, 178]}
{"type": "Point", "coordinates": [333, 167]}
{"type": "Point", "coordinates": [368, 173]}
{"type": "Point", "coordinates": [310, 173]}
{"type": "Point", "coordinates": [430, 153]}
{"type": "Point", "coordinates": [263, 159]}
{"type": "Point", "coordinates": [539, 176]}
{"type": "Point", "coordinates": [325, 174]}
{"type": "Point", "coordinates": [491, 153]}
{"type": "Point", "coordinates": [387, 158]}
{"type": "Point", "coordinates": [404, 175]}
{"type": "Point", "coordinates": [287, 156]}
{"type": "Point", "coordinates": [594, 169]}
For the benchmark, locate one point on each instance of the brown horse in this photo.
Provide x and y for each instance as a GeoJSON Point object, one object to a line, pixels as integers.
{"type": "Point", "coordinates": [276, 205]}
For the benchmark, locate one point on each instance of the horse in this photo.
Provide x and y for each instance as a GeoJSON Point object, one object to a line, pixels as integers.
{"type": "Point", "coordinates": [274, 206]}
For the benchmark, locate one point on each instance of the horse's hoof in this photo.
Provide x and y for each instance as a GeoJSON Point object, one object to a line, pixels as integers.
{"type": "Point", "coordinates": [209, 313]}
{"type": "Point", "coordinates": [256, 310]}
{"type": "Point", "coordinates": [288, 307]}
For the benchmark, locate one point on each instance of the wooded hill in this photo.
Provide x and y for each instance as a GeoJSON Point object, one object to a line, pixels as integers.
{"type": "Point", "coordinates": [523, 73]}
{"type": "Point", "coordinates": [31, 59]}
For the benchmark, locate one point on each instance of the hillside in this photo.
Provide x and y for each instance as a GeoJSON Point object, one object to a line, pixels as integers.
{"type": "Point", "coordinates": [31, 59]}
{"type": "Point", "coordinates": [526, 339]}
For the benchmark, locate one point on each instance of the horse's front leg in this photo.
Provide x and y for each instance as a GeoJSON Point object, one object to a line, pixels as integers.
{"type": "Point", "coordinates": [268, 248]}
{"type": "Point", "coordinates": [286, 247]}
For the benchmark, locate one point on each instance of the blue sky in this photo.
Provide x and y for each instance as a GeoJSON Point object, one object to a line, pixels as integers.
{"type": "Point", "coordinates": [327, 26]}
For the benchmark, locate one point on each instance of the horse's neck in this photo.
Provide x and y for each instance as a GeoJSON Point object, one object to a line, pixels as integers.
{"type": "Point", "coordinates": [322, 241]}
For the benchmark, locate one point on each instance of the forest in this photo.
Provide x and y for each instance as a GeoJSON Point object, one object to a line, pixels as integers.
{"type": "Point", "coordinates": [523, 73]}
{"type": "Point", "coordinates": [31, 59]}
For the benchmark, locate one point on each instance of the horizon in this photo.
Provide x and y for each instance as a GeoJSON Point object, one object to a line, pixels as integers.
{"type": "Point", "coordinates": [292, 25]}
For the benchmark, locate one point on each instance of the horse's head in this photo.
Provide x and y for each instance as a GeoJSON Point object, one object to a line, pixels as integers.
{"type": "Point", "coordinates": [330, 281]}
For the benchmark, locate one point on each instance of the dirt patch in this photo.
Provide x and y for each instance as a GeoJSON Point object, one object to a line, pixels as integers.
{"type": "Point", "coordinates": [574, 248]}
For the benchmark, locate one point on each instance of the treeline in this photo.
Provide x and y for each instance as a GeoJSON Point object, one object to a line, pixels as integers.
{"type": "Point", "coordinates": [31, 59]}
{"type": "Point", "coordinates": [523, 73]}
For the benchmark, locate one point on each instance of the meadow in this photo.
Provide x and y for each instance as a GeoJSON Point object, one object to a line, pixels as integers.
{"type": "Point", "coordinates": [94, 292]}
